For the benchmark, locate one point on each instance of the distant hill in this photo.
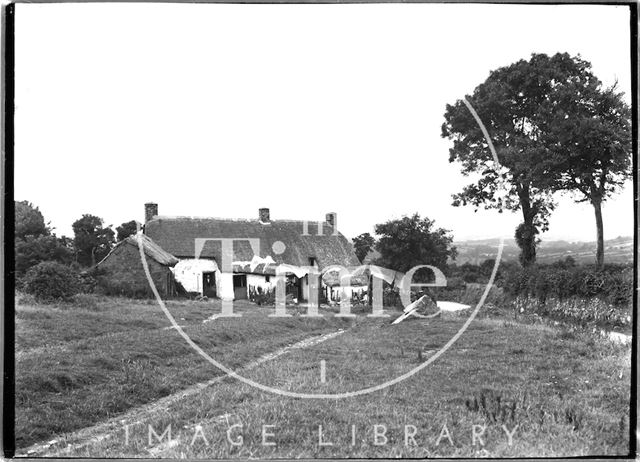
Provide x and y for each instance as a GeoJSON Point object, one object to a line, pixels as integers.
{"type": "Point", "coordinates": [618, 250]}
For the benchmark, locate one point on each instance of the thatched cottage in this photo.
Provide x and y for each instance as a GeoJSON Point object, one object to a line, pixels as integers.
{"type": "Point", "coordinates": [121, 272]}
{"type": "Point", "coordinates": [290, 245]}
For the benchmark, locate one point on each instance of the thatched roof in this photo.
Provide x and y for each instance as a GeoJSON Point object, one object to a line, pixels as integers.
{"type": "Point", "coordinates": [178, 235]}
{"type": "Point", "coordinates": [151, 249]}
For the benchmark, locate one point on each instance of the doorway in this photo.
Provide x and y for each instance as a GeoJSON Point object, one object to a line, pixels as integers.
{"type": "Point", "coordinates": [240, 286]}
{"type": "Point", "coordinates": [209, 284]}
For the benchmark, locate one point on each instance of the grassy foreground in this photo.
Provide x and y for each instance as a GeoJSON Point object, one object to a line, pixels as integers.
{"type": "Point", "coordinates": [521, 389]}
{"type": "Point", "coordinates": [80, 363]}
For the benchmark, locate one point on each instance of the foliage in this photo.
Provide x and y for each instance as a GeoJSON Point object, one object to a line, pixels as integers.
{"type": "Point", "coordinates": [92, 241]}
{"type": "Point", "coordinates": [35, 249]}
{"type": "Point", "coordinates": [362, 245]}
{"type": "Point", "coordinates": [262, 297]}
{"type": "Point", "coordinates": [49, 281]}
{"type": "Point", "coordinates": [471, 273]}
{"type": "Point", "coordinates": [514, 103]}
{"type": "Point", "coordinates": [589, 144]}
{"type": "Point", "coordinates": [589, 139]}
{"type": "Point", "coordinates": [466, 273]}
{"type": "Point", "coordinates": [29, 220]}
{"type": "Point", "coordinates": [89, 280]}
{"type": "Point", "coordinates": [586, 312]}
{"type": "Point", "coordinates": [411, 241]}
{"type": "Point", "coordinates": [565, 263]}
{"type": "Point", "coordinates": [613, 284]}
{"type": "Point", "coordinates": [126, 229]}
{"type": "Point", "coordinates": [34, 242]}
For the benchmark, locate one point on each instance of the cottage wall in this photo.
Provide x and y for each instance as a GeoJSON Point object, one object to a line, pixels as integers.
{"type": "Point", "coordinates": [258, 280]}
{"type": "Point", "coordinates": [124, 274]}
{"type": "Point", "coordinates": [188, 272]}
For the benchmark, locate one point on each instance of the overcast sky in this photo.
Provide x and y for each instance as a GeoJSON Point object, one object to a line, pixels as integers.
{"type": "Point", "coordinates": [217, 110]}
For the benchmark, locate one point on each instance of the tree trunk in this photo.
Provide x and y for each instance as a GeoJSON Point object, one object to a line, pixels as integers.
{"type": "Point", "coordinates": [526, 239]}
{"type": "Point", "coordinates": [597, 206]}
{"type": "Point", "coordinates": [526, 231]}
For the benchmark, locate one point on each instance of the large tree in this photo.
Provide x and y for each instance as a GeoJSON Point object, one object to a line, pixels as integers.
{"type": "Point", "coordinates": [589, 145]}
{"type": "Point", "coordinates": [35, 249]}
{"type": "Point", "coordinates": [362, 245]}
{"type": "Point", "coordinates": [411, 241]}
{"type": "Point", "coordinates": [34, 241]}
{"type": "Point", "coordinates": [29, 220]}
{"type": "Point", "coordinates": [126, 229]}
{"type": "Point", "coordinates": [513, 104]}
{"type": "Point", "coordinates": [92, 240]}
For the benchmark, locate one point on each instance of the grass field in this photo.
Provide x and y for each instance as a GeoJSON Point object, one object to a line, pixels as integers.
{"type": "Point", "coordinates": [567, 392]}
{"type": "Point", "coordinates": [77, 364]}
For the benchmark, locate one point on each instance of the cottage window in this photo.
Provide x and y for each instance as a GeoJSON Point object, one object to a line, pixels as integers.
{"type": "Point", "coordinates": [267, 279]}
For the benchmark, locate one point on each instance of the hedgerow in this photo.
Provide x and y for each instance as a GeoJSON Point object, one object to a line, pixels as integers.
{"type": "Point", "coordinates": [613, 284]}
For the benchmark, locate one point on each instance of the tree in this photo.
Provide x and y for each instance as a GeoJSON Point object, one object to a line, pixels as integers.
{"type": "Point", "coordinates": [126, 229]}
{"type": "Point", "coordinates": [513, 103]}
{"type": "Point", "coordinates": [362, 245]}
{"type": "Point", "coordinates": [29, 220]}
{"type": "Point", "coordinates": [92, 241]}
{"type": "Point", "coordinates": [36, 249]}
{"type": "Point", "coordinates": [412, 241]}
{"type": "Point", "coordinates": [589, 145]}
{"type": "Point", "coordinates": [34, 241]}
{"type": "Point", "coordinates": [486, 267]}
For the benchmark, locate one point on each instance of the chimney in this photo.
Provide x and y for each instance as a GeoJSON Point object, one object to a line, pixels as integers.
{"type": "Point", "coordinates": [263, 215]}
{"type": "Point", "coordinates": [150, 211]}
{"type": "Point", "coordinates": [332, 219]}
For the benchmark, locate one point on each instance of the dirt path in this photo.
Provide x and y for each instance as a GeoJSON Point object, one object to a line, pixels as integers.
{"type": "Point", "coordinates": [79, 439]}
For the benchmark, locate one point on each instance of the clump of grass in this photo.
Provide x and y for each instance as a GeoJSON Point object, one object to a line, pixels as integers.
{"type": "Point", "coordinates": [495, 406]}
{"type": "Point", "coordinates": [89, 302]}
{"type": "Point", "coordinates": [585, 312]}
{"type": "Point", "coordinates": [501, 407]}
{"type": "Point", "coordinates": [566, 334]}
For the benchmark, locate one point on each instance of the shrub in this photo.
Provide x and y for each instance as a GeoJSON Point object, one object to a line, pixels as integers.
{"type": "Point", "coordinates": [49, 281]}
{"type": "Point", "coordinates": [87, 281]}
{"type": "Point", "coordinates": [35, 249]}
{"type": "Point", "coordinates": [613, 284]}
{"type": "Point", "coordinates": [262, 297]}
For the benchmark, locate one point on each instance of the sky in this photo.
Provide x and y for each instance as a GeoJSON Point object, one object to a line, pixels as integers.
{"type": "Point", "coordinates": [218, 110]}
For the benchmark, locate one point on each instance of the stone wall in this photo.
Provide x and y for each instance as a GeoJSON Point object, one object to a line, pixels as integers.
{"type": "Point", "coordinates": [122, 273]}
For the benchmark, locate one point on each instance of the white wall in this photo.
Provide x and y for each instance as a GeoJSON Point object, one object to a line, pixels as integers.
{"type": "Point", "coordinates": [257, 280]}
{"type": "Point", "coordinates": [188, 272]}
